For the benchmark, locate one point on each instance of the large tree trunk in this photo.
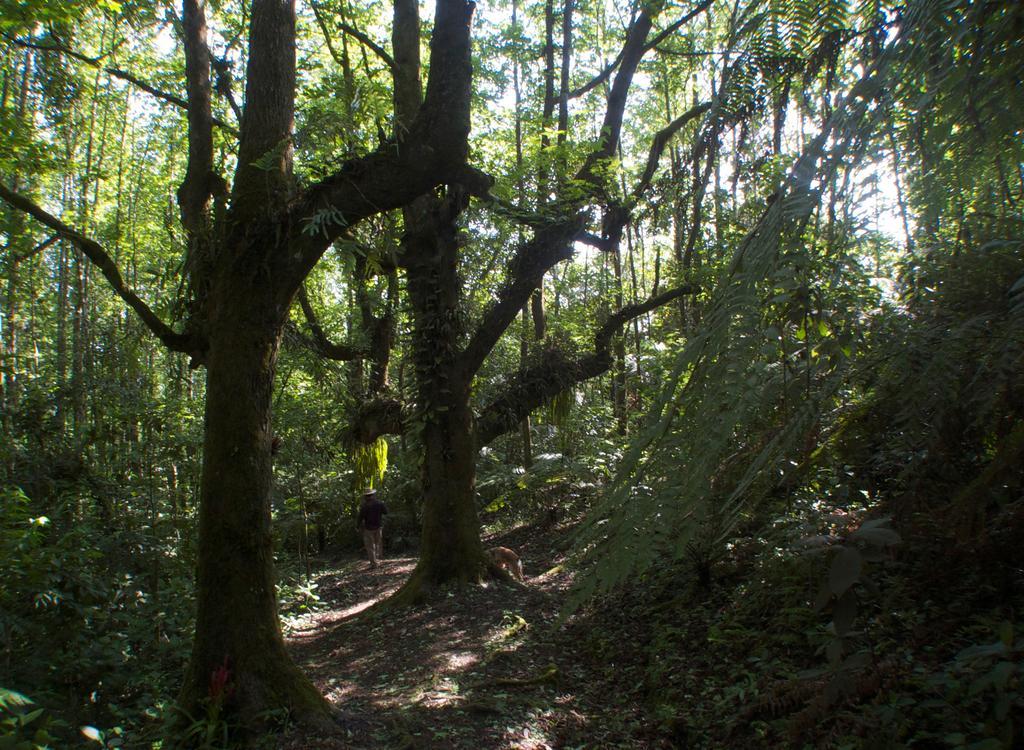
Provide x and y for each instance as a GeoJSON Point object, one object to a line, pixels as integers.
{"type": "Point", "coordinates": [237, 627]}
{"type": "Point", "coordinates": [244, 271]}
{"type": "Point", "coordinates": [239, 665]}
{"type": "Point", "coordinates": [450, 548]}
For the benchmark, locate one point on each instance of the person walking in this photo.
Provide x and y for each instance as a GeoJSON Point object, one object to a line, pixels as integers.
{"type": "Point", "coordinates": [371, 522]}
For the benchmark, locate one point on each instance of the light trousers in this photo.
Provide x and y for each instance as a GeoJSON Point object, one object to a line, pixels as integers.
{"type": "Point", "coordinates": [373, 540]}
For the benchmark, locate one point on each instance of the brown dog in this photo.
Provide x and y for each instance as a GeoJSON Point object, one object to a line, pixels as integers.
{"type": "Point", "coordinates": [506, 559]}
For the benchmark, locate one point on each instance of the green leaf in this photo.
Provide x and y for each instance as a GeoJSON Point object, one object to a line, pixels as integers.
{"type": "Point", "coordinates": [878, 537]}
{"type": "Point", "coordinates": [845, 571]}
{"type": "Point", "coordinates": [272, 158]}
{"type": "Point", "coordinates": [9, 698]}
{"type": "Point", "coordinates": [834, 651]}
{"type": "Point", "coordinates": [844, 613]}
{"type": "Point", "coordinates": [92, 733]}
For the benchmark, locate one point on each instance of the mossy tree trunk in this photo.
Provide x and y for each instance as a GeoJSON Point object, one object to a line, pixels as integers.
{"type": "Point", "coordinates": [238, 634]}
{"type": "Point", "coordinates": [448, 358]}
{"type": "Point", "coordinates": [248, 252]}
{"type": "Point", "coordinates": [450, 549]}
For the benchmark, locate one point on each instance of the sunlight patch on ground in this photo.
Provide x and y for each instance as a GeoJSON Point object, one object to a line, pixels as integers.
{"type": "Point", "coordinates": [390, 576]}
{"type": "Point", "coordinates": [551, 573]}
{"type": "Point", "coordinates": [460, 660]}
{"type": "Point", "coordinates": [508, 634]}
{"type": "Point", "coordinates": [358, 607]}
{"type": "Point", "coordinates": [530, 737]}
{"type": "Point", "coordinates": [439, 694]}
{"type": "Point", "coordinates": [338, 694]}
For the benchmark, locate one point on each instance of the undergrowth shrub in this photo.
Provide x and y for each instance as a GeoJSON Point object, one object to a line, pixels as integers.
{"type": "Point", "coordinates": [98, 635]}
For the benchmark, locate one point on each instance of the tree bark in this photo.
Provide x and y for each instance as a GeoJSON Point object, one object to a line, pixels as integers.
{"type": "Point", "coordinates": [249, 275]}
{"type": "Point", "coordinates": [450, 546]}
{"type": "Point", "coordinates": [236, 622]}
{"type": "Point", "coordinates": [263, 177]}
{"type": "Point", "coordinates": [537, 301]}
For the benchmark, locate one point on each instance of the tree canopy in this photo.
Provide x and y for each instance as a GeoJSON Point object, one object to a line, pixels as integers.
{"type": "Point", "coordinates": [677, 274]}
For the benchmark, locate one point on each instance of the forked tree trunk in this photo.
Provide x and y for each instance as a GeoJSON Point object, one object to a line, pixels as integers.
{"type": "Point", "coordinates": [245, 267]}
{"type": "Point", "coordinates": [450, 548]}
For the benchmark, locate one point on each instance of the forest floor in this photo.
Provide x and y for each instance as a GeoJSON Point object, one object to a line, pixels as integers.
{"type": "Point", "coordinates": [485, 667]}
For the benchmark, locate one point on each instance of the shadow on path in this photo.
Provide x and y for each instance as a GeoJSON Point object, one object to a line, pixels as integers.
{"type": "Point", "coordinates": [478, 668]}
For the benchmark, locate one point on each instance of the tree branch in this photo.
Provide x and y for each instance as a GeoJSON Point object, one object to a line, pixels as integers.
{"type": "Point", "coordinates": [618, 215]}
{"type": "Point", "coordinates": [370, 44]}
{"type": "Point", "coordinates": [95, 62]}
{"type": "Point", "coordinates": [224, 85]}
{"type": "Point", "coordinates": [16, 259]}
{"type": "Point", "coordinates": [661, 139]}
{"type": "Point", "coordinates": [433, 153]}
{"type": "Point", "coordinates": [322, 23]}
{"type": "Point", "coordinates": [547, 247]}
{"type": "Point", "coordinates": [355, 34]}
{"type": "Point", "coordinates": [553, 242]}
{"type": "Point", "coordinates": [597, 80]}
{"type": "Point", "coordinates": [198, 185]}
{"type": "Point", "coordinates": [673, 27]}
{"type": "Point", "coordinates": [190, 344]}
{"type": "Point", "coordinates": [595, 241]}
{"type": "Point", "coordinates": [319, 342]}
{"type": "Point", "coordinates": [535, 386]}
{"type": "Point", "coordinates": [605, 74]}
{"type": "Point", "coordinates": [381, 416]}
{"type": "Point", "coordinates": [632, 52]}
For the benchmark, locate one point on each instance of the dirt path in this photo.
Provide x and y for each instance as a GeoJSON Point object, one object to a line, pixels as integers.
{"type": "Point", "coordinates": [484, 668]}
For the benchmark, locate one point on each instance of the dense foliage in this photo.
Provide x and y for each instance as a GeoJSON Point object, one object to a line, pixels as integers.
{"type": "Point", "coordinates": [801, 475]}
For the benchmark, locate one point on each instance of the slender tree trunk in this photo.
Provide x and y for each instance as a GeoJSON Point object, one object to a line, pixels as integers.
{"type": "Point", "coordinates": [16, 231]}
{"type": "Point", "coordinates": [545, 168]}
{"type": "Point", "coordinates": [524, 425]}
{"type": "Point", "coordinates": [638, 374]}
{"type": "Point", "coordinates": [619, 348]}
{"type": "Point", "coordinates": [538, 295]}
{"type": "Point", "coordinates": [901, 200]}
{"type": "Point", "coordinates": [79, 327]}
{"type": "Point", "coordinates": [62, 328]}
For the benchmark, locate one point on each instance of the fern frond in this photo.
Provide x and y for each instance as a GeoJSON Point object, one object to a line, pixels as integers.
{"type": "Point", "coordinates": [719, 388]}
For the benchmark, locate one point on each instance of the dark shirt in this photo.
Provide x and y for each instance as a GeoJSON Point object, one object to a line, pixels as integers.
{"type": "Point", "coordinates": [371, 515]}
